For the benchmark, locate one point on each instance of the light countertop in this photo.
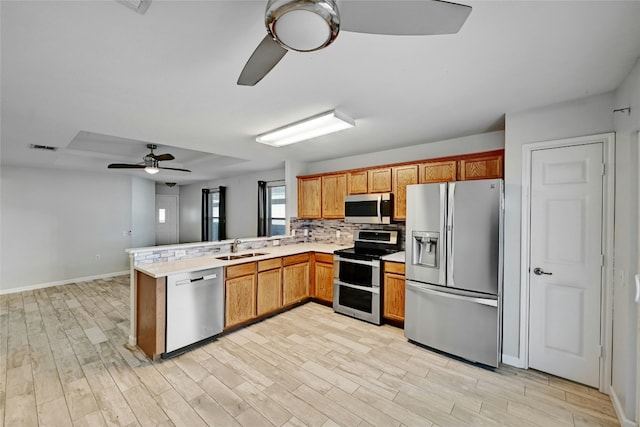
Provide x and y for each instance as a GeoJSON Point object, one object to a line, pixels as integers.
{"type": "Point", "coordinates": [396, 257]}
{"type": "Point", "coordinates": [162, 269]}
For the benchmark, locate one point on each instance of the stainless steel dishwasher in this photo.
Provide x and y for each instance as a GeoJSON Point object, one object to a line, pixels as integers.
{"type": "Point", "coordinates": [195, 307]}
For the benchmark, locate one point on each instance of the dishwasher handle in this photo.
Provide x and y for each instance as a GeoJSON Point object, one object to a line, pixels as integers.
{"type": "Point", "coordinates": [196, 279]}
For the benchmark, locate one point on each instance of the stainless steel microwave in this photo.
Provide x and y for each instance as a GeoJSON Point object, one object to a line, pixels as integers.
{"type": "Point", "coordinates": [369, 208]}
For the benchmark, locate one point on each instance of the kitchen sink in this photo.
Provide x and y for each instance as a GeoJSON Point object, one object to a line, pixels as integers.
{"type": "Point", "coordinates": [232, 257]}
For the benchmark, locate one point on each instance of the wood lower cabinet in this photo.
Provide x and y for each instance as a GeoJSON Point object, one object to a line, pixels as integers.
{"type": "Point", "coordinates": [295, 279]}
{"type": "Point", "coordinates": [309, 197]}
{"type": "Point", "coordinates": [394, 291]}
{"type": "Point", "coordinates": [240, 293]}
{"type": "Point", "coordinates": [269, 294]}
{"type": "Point", "coordinates": [323, 277]}
{"type": "Point", "coordinates": [151, 297]}
{"type": "Point", "coordinates": [438, 171]}
{"type": "Point", "coordinates": [402, 176]}
{"type": "Point", "coordinates": [481, 167]}
{"type": "Point", "coordinates": [334, 190]}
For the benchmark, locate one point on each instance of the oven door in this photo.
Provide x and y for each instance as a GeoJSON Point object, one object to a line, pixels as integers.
{"type": "Point", "coordinates": [358, 272]}
{"type": "Point", "coordinates": [357, 301]}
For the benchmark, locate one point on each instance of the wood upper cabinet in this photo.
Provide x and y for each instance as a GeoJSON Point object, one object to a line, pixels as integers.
{"type": "Point", "coordinates": [309, 197]}
{"type": "Point", "coordinates": [485, 166]}
{"type": "Point", "coordinates": [240, 293]}
{"type": "Point", "coordinates": [334, 190]}
{"type": "Point", "coordinates": [357, 182]}
{"type": "Point", "coordinates": [437, 171]}
{"type": "Point", "coordinates": [295, 278]}
{"type": "Point", "coordinates": [323, 277]}
{"type": "Point", "coordinates": [379, 180]}
{"type": "Point", "coordinates": [394, 291]}
{"type": "Point", "coordinates": [402, 176]}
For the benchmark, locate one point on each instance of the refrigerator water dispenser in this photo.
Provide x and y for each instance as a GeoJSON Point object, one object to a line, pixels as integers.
{"type": "Point", "coordinates": [425, 248]}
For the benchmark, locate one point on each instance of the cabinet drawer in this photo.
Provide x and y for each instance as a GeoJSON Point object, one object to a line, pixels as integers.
{"type": "Point", "coordinates": [269, 264]}
{"type": "Point", "coordinates": [394, 267]}
{"type": "Point", "coordinates": [320, 257]}
{"type": "Point", "coordinates": [295, 259]}
{"type": "Point", "coordinates": [240, 270]}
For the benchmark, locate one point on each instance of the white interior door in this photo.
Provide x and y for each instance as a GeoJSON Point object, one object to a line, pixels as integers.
{"type": "Point", "coordinates": [566, 261]}
{"type": "Point", "coordinates": [166, 219]}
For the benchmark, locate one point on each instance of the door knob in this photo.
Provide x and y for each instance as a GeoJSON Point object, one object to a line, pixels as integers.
{"type": "Point", "coordinates": [538, 271]}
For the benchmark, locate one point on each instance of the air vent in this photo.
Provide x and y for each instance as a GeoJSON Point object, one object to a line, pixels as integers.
{"type": "Point", "coordinates": [42, 147]}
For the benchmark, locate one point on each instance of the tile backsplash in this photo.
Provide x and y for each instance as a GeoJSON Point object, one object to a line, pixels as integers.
{"type": "Point", "coordinates": [324, 230]}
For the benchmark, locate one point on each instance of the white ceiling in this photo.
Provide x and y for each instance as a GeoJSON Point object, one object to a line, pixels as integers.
{"type": "Point", "coordinates": [100, 81]}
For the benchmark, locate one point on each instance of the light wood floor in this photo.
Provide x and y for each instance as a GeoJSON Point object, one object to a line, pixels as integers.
{"type": "Point", "coordinates": [63, 362]}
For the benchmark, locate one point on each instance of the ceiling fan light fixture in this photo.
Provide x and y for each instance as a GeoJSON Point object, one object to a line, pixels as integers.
{"type": "Point", "coordinates": [309, 128]}
{"type": "Point", "coordinates": [151, 165]}
{"type": "Point", "coordinates": [303, 25]}
{"type": "Point", "coordinates": [151, 169]}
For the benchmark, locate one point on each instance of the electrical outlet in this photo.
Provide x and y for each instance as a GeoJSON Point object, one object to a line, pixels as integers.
{"type": "Point", "coordinates": [293, 233]}
{"type": "Point", "coordinates": [179, 253]}
{"type": "Point", "coordinates": [306, 232]}
{"type": "Point", "coordinates": [276, 243]}
{"type": "Point", "coordinates": [337, 234]}
{"type": "Point", "coordinates": [97, 257]}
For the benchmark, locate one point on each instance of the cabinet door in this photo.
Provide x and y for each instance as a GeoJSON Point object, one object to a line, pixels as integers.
{"type": "Point", "coordinates": [269, 291]}
{"type": "Point", "coordinates": [393, 296]}
{"type": "Point", "coordinates": [240, 299]}
{"type": "Point", "coordinates": [483, 167]}
{"type": "Point", "coordinates": [379, 180]}
{"type": "Point", "coordinates": [324, 281]}
{"type": "Point", "coordinates": [309, 197]}
{"type": "Point", "coordinates": [334, 190]}
{"type": "Point", "coordinates": [357, 182]}
{"type": "Point", "coordinates": [295, 283]}
{"type": "Point", "coordinates": [402, 176]}
{"type": "Point", "coordinates": [438, 172]}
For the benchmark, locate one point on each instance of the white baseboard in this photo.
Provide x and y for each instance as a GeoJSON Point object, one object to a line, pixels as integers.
{"type": "Point", "coordinates": [512, 361]}
{"type": "Point", "coordinates": [624, 421]}
{"type": "Point", "coordinates": [61, 282]}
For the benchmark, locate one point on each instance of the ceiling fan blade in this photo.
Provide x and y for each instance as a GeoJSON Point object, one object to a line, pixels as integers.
{"type": "Point", "coordinates": [262, 60]}
{"type": "Point", "coordinates": [161, 157]}
{"type": "Point", "coordinates": [402, 18]}
{"type": "Point", "coordinates": [176, 169]}
{"type": "Point", "coordinates": [124, 166]}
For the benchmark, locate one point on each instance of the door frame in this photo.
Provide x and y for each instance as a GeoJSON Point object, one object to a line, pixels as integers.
{"type": "Point", "coordinates": [608, 201]}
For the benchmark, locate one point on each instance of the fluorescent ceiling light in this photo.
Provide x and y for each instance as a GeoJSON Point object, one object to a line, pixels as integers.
{"type": "Point", "coordinates": [322, 124]}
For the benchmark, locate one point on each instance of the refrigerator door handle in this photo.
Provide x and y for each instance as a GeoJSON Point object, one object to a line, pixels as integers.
{"type": "Point", "coordinates": [442, 274]}
{"type": "Point", "coordinates": [450, 231]}
{"type": "Point", "coordinates": [484, 301]}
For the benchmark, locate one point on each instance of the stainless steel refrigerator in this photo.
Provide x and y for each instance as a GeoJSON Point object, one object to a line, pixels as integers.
{"type": "Point", "coordinates": [454, 268]}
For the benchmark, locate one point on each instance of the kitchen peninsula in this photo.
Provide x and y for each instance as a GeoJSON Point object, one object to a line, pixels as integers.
{"type": "Point", "coordinates": [260, 280]}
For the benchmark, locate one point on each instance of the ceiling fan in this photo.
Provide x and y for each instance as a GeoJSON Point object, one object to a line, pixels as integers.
{"type": "Point", "coordinates": [309, 25]}
{"type": "Point", "coordinates": [149, 162]}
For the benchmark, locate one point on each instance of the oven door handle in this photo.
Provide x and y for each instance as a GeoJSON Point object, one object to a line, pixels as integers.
{"type": "Point", "coordinates": [374, 263]}
{"type": "Point", "coordinates": [372, 289]}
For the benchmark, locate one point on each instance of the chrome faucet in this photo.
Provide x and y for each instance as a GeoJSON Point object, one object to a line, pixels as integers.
{"type": "Point", "coordinates": [234, 245]}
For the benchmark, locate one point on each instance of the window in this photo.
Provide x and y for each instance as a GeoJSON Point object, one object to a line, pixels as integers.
{"type": "Point", "coordinates": [214, 226]}
{"type": "Point", "coordinates": [276, 206]}
{"type": "Point", "coordinates": [213, 214]}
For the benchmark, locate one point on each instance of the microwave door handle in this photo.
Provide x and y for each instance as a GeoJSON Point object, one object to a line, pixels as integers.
{"type": "Point", "coordinates": [380, 209]}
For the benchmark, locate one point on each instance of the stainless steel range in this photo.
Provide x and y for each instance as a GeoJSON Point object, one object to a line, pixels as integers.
{"type": "Point", "coordinates": [357, 274]}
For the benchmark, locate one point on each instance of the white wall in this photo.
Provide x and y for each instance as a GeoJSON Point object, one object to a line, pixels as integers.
{"type": "Point", "coordinates": [242, 204]}
{"type": "Point", "coordinates": [588, 116]}
{"type": "Point", "coordinates": [143, 202]}
{"type": "Point", "coordinates": [162, 188]}
{"type": "Point", "coordinates": [451, 147]}
{"type": "Point", "coordinates": [55, 222]}
{"type": "Point", "coordinates": [191, 212]}
{"type": "Point", "coordinates": [625, 314]}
